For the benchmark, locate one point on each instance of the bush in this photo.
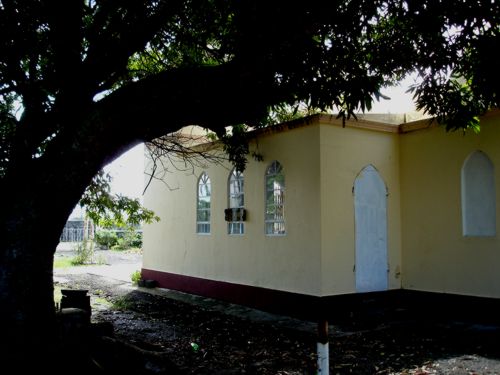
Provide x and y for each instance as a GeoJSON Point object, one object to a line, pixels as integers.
{"type": "Point", "coordinates": [84, 253]}
{"type": "Point", "coordinates": [135, 276]}
{"type": "Point", "coordinates": [106, 239]}
{"type": "Point", "coordinates": [129, 239]}
{"type": "Point", "coordinates": [135, 239]}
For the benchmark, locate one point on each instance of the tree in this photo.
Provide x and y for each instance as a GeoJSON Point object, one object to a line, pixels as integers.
{"type": "Point", "coordinates": [108, 210]}
{"type": "Point", "coordinates": [107, 75]}
{"type": "Point", "coordinates": [112, 210]}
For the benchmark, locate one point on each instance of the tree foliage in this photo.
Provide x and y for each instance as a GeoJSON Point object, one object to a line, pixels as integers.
{"type": "Point", "coordinates": [95, 77]}
{"type": "Point", "coordinates": [333, 54]}
{"type": "Point", "coordinates": [338, 55]}
{"type": "Point", "coordinates": [110, 210]}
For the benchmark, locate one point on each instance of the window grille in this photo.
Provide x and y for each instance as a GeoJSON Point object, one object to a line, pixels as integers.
{"type": "Point", "coordinates": [275, 199]}
{"type": "Point", "coordinates": [236, 198]}
{"type": "Point", "coordinates": [203, 204]}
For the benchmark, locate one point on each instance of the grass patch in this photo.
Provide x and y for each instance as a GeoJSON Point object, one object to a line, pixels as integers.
{"type": "Point", "coordinates": [122, 303]}
{"type": "Point", "coordinates": [100, 301]}
{"type": "Point", "coordinates": [64, 262]}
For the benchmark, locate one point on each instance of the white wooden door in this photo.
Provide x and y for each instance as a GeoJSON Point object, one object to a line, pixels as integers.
{"type": "Point", "coordinates": [370, 217]}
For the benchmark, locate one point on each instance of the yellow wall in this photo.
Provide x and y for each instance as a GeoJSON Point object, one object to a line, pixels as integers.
{"type": "Point", "coordinates": [437, 257]}
{"type": "Point", "coordinates": [344, 153]}
{"type": "Point", "coordinates": [422, 172]}
{"type": "Point", "coordinates": [289, 263]}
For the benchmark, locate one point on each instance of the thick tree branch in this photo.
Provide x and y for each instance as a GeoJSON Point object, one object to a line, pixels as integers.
{"type": "Point", "coordinates": [116, 35]}
{"type": "Point", "coordinates": [212, 96]}
{"type": "Point", "coordinates": [66, 44]}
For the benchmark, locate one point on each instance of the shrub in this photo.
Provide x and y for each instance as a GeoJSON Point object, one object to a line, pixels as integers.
{"type": "Point", "coordinates": [129, 239]}
{"type": "Point", "coordinates": [135, 276]}
{"type": "Point", "coordinates": [106, 239]}
{"type": "Point", "coordinates": [84, 253]}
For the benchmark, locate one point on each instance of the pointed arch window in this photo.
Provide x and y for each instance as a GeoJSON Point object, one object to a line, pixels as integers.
{"type": "Point", "coordinates": [275, 199]}
{"type": "Point", "coordinates": [236, 200]}
{"type": "Point", "coordinates": [203, 204]}
{"type": "Point", "coordinates": [478, 196]}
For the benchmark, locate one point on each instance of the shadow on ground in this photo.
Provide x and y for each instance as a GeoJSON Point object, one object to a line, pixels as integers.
{"type": "Point", "coordinates": [157, 331]}
{"type": "Point", "coordinates": [170, 332]}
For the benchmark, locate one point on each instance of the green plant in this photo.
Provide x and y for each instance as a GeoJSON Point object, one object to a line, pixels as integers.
{"type": "Point", "coordinates": [106, 239]}
{"type": "Point", "coordinates": [63, 262]}
{"type": "Point", "coordinates": [136, 276]}
{"type": "Point", "coordinates": [113, 210]}
{"type": "Point", "coordinates": [122, 303]}
{"type": "Point", "coordinates": [100, 301]}
{"type": "Point", "coordinates": [129, 239]}
{"type": "Point", "coordinates": [84, 253]}
{"type": "Point", "coordinates": [136, 240]}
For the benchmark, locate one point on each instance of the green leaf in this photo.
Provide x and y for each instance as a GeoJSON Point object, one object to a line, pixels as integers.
{"type": "Point", "coordinates": [113, 210]}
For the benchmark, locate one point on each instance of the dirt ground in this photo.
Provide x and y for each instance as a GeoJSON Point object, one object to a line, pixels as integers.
{"type": "Point", "coordinates": [177, 333]}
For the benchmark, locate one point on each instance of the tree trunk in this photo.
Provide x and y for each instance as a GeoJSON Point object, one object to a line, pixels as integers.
{"type": "Point", "coordinates": [27, 318]}
{"type": "Point", "coordinates": [36, 202]}
{"type": "Point", "coordinates": [39, 194]}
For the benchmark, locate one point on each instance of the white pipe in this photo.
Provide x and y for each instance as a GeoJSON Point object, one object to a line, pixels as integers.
{"type": "Point", "coordinates": [323, 359]}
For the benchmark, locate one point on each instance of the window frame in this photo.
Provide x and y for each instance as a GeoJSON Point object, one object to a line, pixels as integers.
{"type": "Point", "coordinates": [236, 176]}
{"type": "Point", "coordinates": [274, 171]}
{"type": "Point", "coordinates": [204, 180]}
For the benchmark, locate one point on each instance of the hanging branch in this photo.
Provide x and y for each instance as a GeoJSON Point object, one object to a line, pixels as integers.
{"type": "Point", "coordinates": [182, 151]}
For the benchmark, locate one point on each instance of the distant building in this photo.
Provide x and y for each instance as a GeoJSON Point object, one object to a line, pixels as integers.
{"type": "Point", "coordinates": [74, 230]}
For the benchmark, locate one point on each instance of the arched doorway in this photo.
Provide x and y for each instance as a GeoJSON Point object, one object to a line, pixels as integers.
{"type": "Point", "coordinates": [370, 217]}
